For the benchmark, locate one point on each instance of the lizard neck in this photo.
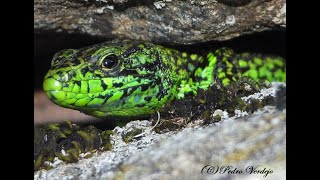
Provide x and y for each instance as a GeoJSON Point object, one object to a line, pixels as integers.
{"type": "Point", "coordinates": [200, 70]}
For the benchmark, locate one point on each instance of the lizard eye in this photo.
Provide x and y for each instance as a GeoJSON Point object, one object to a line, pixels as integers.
{"type": "Point", "coordinates": [110, 61]}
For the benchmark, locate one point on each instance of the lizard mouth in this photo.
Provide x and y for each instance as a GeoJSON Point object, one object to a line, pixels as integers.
{"type": "Point", "coordinates": [53, 89]}
{"type": "Point", "coordinates": [113, 98]}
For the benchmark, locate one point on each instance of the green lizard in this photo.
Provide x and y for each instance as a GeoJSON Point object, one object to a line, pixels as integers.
{"type": "Point", "coordinates": [129, 80]}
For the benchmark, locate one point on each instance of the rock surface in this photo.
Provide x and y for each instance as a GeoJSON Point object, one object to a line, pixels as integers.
{"type": "Point", "coordinates": [243, 141]}
{"type": "Point", "coordinates": [170, 22]}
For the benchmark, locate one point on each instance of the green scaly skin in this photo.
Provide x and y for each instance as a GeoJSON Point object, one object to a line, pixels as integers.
{"type": "Point", "coordinates": [127, 80]}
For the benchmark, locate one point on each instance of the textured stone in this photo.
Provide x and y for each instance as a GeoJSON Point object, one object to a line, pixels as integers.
{"type": "Point", "coordinates": [174, 22]}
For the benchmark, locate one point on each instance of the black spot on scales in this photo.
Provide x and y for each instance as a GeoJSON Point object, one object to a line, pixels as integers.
{"type": "Point", "coordinates": [243, 69]}
{"type": "Point", "coordinates": [120, 84]}
{"type": "Point", "coordinates": [162, 92]}
{"type": "Point", "coordinates": [141, 105]}
{"type": "Point", "coordinates": [94, 68]}
{"type": "Point", "coordinates": [157, 55]}
{"type": "Point", "coordinates": [144, 87]}
{"type": "Point", "coordinates": [64, 65]}
{"type": "Point", "coordinates": [103, 85]}
{"type": "Point", "coordinates": [65, 85]}
{"type": "Point", "coordinates": [127, 72]}
{"type": "Point", "coordinates": [103, 96]}
{"type": "Point", "coordinates": [148, 98]}
{"type": "Point", "coordinates": [88, 88]}
{"type": "Point", "coordinates": [78, 83]}
{"type": "Point", "coordinates": [131, 50]}
{"type": "Point", "coordinates": [106, 97]}
{"type": "Point", "coordinates": [53, 98]}
{"type": "Point", "coordinates": [74, 61]}
{"type": "Point", "coordinates": [86, 54]}
{"type": "Point", "coordinates": [133, 89]}
{"type": "Point", "coordinates": [71, 74]}
{"type": "Point", "coordinates": [84, 70]}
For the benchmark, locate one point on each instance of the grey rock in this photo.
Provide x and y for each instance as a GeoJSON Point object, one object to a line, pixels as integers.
{"type": "Point", "coordinates": [252, 141]}
{"type": "Point", "coordinates": [171, 22]}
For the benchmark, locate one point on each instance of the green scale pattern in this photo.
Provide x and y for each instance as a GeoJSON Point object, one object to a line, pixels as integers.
{"type": "Point", "coordinates": [129, 80]}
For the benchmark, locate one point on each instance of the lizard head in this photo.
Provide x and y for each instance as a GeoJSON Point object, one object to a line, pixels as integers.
{"type": "Point", "coordinates": [111, 80]}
